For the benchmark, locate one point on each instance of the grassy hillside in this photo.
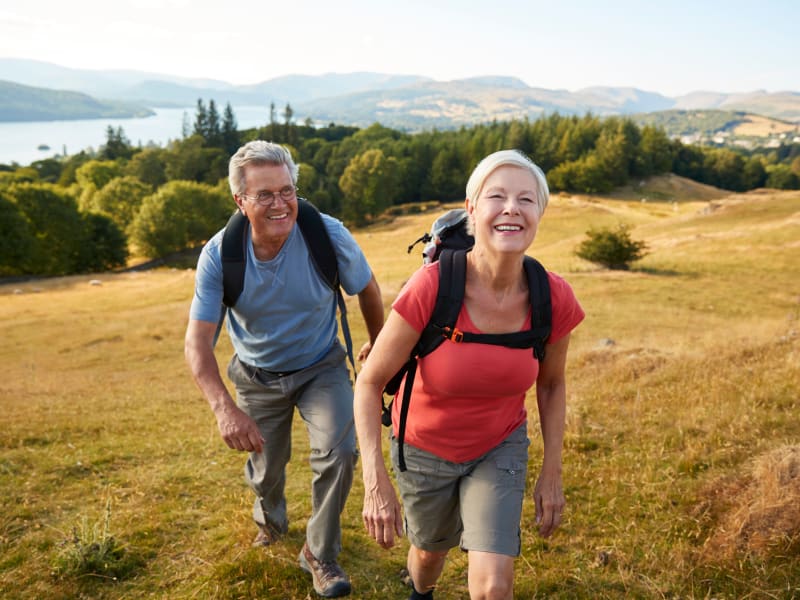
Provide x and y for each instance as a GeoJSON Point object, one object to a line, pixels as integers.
{"type": "Point", "coordinates": [682, 452]}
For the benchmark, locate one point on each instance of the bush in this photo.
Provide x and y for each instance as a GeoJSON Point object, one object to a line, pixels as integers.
{"type": "Point", "coordinates": [612, 249]}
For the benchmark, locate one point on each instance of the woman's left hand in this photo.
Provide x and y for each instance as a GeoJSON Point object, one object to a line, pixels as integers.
{"type": "Point", "coordinates": [548, 494]}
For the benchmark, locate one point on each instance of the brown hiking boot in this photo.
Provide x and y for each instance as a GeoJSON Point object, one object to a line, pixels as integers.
{"type": "Point", "coordinates": [330, 581]}
{"type": "Point", "coordinates": [266, 535]}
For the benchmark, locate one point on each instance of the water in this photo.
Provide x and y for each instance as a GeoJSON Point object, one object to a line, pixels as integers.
{"type": "Point", "coordinates": [19, 142]}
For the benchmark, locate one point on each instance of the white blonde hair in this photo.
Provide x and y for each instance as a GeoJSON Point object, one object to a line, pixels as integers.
{"type": "Point", "coordinates": [513, 158]}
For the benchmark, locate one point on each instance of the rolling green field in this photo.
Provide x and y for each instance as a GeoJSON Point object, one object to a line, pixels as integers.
{"type": "Point", "coordinates": [682, 452]}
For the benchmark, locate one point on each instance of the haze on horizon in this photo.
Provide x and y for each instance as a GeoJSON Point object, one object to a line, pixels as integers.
{"type": "Point", "coordinates": [671, 48]}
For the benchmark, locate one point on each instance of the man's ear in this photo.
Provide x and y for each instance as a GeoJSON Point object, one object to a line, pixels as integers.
{"type": "Point", "coordinates": [239, 204]}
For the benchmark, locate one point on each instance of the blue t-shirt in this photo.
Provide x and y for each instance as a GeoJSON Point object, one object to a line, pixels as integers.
{"type": "Point", "coordinates": [285, 318]}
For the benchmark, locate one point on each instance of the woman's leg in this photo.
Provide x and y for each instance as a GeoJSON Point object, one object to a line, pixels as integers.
{"type": "Point", "coordinates": [491, 576]}
{"type": "Point", "coordinates": [424, 568]}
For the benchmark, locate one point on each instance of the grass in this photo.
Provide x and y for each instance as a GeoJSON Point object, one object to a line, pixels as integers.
{"type": "Point", "coordinates": [678, 454]}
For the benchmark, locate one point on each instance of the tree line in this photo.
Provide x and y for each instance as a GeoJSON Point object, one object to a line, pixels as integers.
{"type": "Point", "coordinates": [89, 211]}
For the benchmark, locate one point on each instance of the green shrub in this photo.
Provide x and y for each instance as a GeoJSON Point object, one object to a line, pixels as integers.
{"type": "Point", "coordinates": [614, 249]}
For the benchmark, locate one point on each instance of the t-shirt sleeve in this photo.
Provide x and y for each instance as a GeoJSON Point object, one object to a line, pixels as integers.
{"type": "Point", "coordinates": [416, 300]}
{"type": "Point", "coordinates": [354, 270]}
{"type": "Point", "coordinates": [207, 300]}
{"type": "Point", "coordinates": [567, 311]}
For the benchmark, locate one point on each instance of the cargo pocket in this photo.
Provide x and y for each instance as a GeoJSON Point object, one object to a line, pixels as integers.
{"type": "Point", "coordinates": [511, 471]}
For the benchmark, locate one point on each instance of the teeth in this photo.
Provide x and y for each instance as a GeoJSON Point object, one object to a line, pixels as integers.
{"type": "Point", "coordinates": [277, 217]}
{"type": "Point", "coordinates": [508, 228]}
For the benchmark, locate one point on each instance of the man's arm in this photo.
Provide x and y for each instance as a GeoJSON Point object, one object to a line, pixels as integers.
{"type": "Point", "coordinates": [370, 302]}
{"type": "Point", "coordinates": [237, 429]}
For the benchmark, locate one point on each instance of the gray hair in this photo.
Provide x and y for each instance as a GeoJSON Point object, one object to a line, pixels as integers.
{"type": "Point", "coordinates": [257, 152]}
{"type": "Point", "coordinates": [513, 158]}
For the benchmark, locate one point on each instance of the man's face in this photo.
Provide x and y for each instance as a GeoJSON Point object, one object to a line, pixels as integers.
{"type": "Point", "coordinates": [270, 218]}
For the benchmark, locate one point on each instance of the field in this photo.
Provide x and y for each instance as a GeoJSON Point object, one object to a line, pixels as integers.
{"type": "Point", "coordinates": [682, 452]}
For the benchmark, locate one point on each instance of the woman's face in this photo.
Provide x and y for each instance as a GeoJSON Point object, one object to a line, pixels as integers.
{"type": "Point", "coordinates": [505, 215]}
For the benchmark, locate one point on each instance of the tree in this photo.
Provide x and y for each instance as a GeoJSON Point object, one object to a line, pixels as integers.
{"type": "Point", "coordinates": [106, 247]}
{"type": "Point", "coordinates": [200, 119]}
{"type": "Point", "coordinates": [97, 173]}
{"type": "Point", "coordinates": [117, 145]}
{"type": "Point", "coordinates": [612, 249]}
{"type": "Point", "coordinates": [190, 160]}
{"type": "Point", "coordinates": [119, 200]}
{"type": "Point", "coordinates": [369, 184]}
{"type": "Point", "coordinates": [16, 239]}
{"type": "Point", "coordinates": [288, 113]}
{"type": "Point", "coordinates": [213, 133]}
{"type": "Point", "coordinates": [781, 177]}
{"type": "Point", "coordinates": [148, 167]}
{"type": "Point", "coordinates": [230, 133]}
{"type": "Point", "coordinates": [65, 241]}
{"type": "Point", "coordinates": [181, 214]}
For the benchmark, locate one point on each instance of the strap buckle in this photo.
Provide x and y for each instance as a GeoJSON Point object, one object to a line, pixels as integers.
{"type": "Point", "coordinates": [454, 334]}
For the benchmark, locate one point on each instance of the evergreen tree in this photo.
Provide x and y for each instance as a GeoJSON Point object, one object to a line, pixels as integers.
{"type": "Point", "coordinates": [230, 133]}
{"type": "Point", "coordinates": [213, 135]}
{"type": "Point", "coordinates": [200, 120]}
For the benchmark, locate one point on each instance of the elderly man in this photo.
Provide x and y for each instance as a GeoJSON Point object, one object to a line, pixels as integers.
{"type": "Point", "coordinates": [287, 355]}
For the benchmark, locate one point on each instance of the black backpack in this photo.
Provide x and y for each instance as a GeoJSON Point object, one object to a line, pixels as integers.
{"type": "Point", "coordinates": [452, 277]}
{"type": "Point", "coordinates": [323, 255]}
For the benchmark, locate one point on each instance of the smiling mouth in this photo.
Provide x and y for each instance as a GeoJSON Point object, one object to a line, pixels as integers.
{"type": "Point", "coordinates": [508, 228]}
{"type": "Point", "coordinates": [278, 217]}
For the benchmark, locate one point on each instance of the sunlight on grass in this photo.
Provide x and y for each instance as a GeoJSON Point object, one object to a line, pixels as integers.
{"type": "Point", "coordinates": [683, 395]}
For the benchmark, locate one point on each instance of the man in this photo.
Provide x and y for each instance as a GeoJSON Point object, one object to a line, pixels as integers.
{"type": "Point", "coordinates": [287, 354]}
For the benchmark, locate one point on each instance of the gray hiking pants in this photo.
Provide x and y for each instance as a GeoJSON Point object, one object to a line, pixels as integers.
{"type": "Point", "coordinates": [323, 396]}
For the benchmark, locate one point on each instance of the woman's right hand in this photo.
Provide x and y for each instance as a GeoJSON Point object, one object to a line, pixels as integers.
{"type": "Point", "coordinates": [382, 513]}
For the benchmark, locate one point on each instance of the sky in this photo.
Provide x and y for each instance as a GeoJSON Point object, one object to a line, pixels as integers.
{"type": "Point", "coordinates": [671, 47]}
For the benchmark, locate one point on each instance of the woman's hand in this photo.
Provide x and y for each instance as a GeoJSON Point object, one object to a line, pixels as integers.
{"type": "Point", "coordinates": [381, 513]}
{"type": "Point", "coordinates": [548, 495]}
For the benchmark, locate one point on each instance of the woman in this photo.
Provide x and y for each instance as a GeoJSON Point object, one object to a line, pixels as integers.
{"type": "Point", "coordinates": [466, 435]}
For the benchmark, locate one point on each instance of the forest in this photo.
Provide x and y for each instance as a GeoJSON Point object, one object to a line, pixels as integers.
{"type": "Point", "coordinates": [93, 212]}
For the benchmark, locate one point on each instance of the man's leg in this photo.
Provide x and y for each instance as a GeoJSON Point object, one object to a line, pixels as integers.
{"type": "Point", "coordinates": [326, 406]}
{"type": "Point", "coordinates": [265, 472]}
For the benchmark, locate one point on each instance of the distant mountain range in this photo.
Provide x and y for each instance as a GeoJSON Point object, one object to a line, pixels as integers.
{"type": "Point", "coordinates": [400, 101]}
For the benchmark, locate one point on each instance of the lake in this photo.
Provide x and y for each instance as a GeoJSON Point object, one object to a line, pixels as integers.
{"type": "Point", "coordinates": [19, 142]}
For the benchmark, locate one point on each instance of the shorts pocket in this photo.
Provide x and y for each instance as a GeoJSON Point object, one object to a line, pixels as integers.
{"type": "Point", "coordinates": [511, 471]}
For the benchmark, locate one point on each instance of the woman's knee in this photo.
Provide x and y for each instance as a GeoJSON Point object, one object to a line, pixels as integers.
{"type": "Point", "coordinates": [427, 559]}
{"type": "Point", "coordinates": [491, 589]}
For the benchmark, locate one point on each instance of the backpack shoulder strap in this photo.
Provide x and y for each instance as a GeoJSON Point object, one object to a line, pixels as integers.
{"type": "Point", "coordinates": [541, 305]}
{"type": "Point", "coordinates": [234, 257]}
{"type": "Point", "coordinates": [449, 298]}
{"type": "Point", "coordinates": [323, 255]}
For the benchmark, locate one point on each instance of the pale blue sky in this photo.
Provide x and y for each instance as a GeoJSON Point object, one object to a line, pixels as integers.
{"type": "Point", "coordinates": [671, 47]}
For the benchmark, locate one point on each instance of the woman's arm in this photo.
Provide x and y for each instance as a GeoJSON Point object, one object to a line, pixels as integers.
{"type": "Point", "coordinates": [391, 350]}
{"type": "Point", "coordinates": [551, 398]}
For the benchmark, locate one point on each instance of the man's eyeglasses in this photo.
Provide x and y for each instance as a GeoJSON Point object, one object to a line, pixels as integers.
{"type": "Point", "coordinates": [267, 198]}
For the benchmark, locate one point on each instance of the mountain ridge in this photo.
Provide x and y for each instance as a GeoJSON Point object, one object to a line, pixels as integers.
{"type": "Point", "coordinates": [403, 101]}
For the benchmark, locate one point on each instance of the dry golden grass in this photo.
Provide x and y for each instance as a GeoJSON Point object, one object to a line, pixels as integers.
{"type": "Point", "coordinates": [758, 126]}
{"type": "Point", "coordinates": [680, 452]}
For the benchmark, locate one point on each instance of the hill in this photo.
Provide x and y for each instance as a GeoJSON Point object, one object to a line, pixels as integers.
{"type": "Point", "coordinates": [407, 102]}
{"type": "Point", "coordinates": [681, 466]}
{"type": "Point", "coordinates": [25, 103]}
{"type": "Point", "coordinates": [723, 127]}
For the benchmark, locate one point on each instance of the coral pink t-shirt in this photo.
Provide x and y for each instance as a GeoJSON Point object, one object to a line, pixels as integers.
{"type": "Point", "coordinates": [468, 397]}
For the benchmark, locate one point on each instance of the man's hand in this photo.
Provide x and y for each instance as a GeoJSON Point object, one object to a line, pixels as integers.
{"type": "Point", "coordinates": [364, 352]}
{"type": "Point", "coordinates": [238, 430]}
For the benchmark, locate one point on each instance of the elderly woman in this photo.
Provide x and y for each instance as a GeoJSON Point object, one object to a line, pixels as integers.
{"type": "Point", "coordinates": [466, 437]}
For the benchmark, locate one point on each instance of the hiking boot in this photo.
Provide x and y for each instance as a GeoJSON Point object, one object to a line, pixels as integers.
{"type": "Point", "coordinates": [266, 536]}
{"type": "Point", "coordinates": [330, 581]}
